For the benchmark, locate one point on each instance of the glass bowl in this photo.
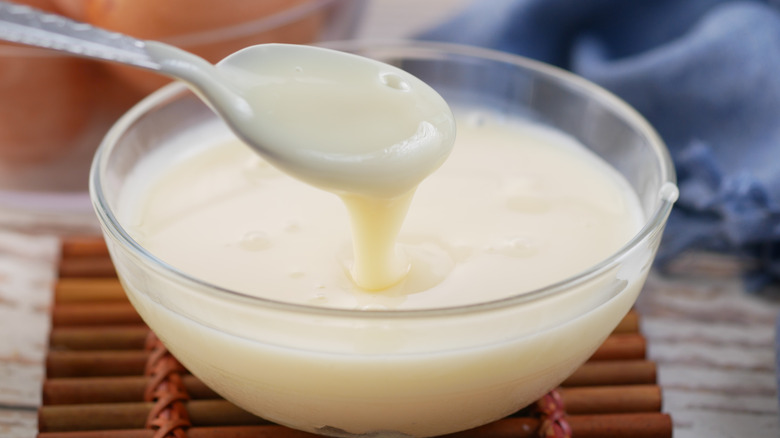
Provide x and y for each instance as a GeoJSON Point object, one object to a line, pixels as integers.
{"type": "Point", "coordinates": [56, 109]}
{"type": "Point", "coordinates": [318, 369]}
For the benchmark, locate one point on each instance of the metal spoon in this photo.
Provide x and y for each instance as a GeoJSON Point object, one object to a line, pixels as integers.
{"type": "Point", "coordinates": [225, 88]}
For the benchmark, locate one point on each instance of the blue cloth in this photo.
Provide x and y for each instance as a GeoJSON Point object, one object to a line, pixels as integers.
{"type": "Point", "coordinates": [705, 73]}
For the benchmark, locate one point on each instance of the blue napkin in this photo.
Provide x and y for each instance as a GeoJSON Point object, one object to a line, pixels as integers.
{"type": "Point", "coordinates": [705, 73]}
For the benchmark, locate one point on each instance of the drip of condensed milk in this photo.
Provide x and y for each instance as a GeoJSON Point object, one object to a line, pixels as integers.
{"type": "Point", "coordinates": [364, 130]}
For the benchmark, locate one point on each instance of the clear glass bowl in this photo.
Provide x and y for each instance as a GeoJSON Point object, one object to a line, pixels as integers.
{"type": "Point", "coordinates": [317, 369]}
{"type": "Point", "coordinates": [56, 109]}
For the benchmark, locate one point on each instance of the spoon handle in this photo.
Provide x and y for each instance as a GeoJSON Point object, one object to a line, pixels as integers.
{"type": "Point", "coordinates": [25, 25]}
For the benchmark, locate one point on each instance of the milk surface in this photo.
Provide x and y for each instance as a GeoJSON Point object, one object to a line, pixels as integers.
{"type": "Point", "coordinates": [516, 207]}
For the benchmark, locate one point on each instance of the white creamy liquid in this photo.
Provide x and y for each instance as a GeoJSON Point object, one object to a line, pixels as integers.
{"type": "Point", "coordinates": [516, 207]}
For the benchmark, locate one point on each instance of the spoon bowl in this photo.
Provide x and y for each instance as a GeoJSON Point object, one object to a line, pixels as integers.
{"type": "Point", "coordinates": [279, 99]}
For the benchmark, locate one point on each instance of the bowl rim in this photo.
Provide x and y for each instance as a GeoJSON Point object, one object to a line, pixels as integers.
{"type": "Point", "coordinates": [653, 224]}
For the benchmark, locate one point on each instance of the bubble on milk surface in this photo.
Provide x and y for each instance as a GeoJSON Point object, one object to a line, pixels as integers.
{"type": "Point", "coordinates": [395, 81]}
{"type": "Point", "coordinates": [255, 241]}
{"type": "Point", "coordinates": [527, 195]}
{"type": "Point", "coordinates": [297, 273]}
{"type": "Point", "coordinates": [319, 299]}
{"type": "Point", "coordinates": [515, 246]}
{"type": "Point", "coordinates": [292, 226]}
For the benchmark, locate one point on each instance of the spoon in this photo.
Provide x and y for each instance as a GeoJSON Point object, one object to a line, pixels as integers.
{"type": "Point", "coordinates": [342, 122]}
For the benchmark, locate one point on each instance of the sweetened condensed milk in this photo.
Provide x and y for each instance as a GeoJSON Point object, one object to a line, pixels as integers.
{"type": "Point", "coordinates": [516, 207]}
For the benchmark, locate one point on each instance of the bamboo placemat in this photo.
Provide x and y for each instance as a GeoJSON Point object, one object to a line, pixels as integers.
{"type": "Point", "coordinates": [108, 376]}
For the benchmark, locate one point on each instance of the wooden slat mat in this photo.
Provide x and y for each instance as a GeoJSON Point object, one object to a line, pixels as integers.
{"type": "Point", "coordinates": [108, 376]}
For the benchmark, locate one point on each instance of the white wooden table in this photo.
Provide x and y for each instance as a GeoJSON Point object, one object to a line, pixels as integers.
{"type": "Point", "coordinates": [714, 345]}
{"type": "Point", "coordinates": [712, 341]}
